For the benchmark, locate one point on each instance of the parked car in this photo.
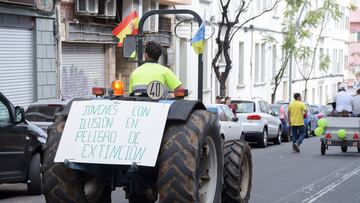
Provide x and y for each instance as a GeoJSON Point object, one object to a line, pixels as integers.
{"type": "Point", "coordinates": [317, 111]}
{"type": "Point", "coordinates": [281, 111]}
{"type": "Point", "coordinates": [229, 126]}
{"type": "Point", "coordinates": [42, 113]}
{"type": "Point", "coordinates": [311, 121]}
{"type": "Point", "coordinates": [258, 121]}
{"type": "Point", "coordinates": [20, 147]}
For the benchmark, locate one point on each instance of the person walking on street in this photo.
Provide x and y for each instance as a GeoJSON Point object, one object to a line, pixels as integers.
{"type": "Point", "coordinates": [296, 112]}
{"type": "Point", "coordinates": [356, 104]}
{"type": "Point", "coordinates": [343, 101]}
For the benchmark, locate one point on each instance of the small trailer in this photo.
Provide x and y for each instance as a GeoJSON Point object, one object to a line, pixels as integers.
{"type": "Point", "coordinates": [351, 125]}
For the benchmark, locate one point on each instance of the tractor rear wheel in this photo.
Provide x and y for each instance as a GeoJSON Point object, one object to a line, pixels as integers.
{"type": "Point", "coordinates": [62, 184]}
{"type": "Point", "coordinates": [191, 161]}
{"type": "Point", "coordinates": [237, 171]}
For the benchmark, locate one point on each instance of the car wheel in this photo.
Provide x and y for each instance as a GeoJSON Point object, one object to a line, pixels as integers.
{"type": "Point", "coordinates": [307, 131]}
{"type": "Point", "coordinates": [34, 176]}
{"type": "Point", "coordinates": [344, 148]}
{"type": "Point", "coordinates": [323, 148]}
{"type": "Point", "coordinates": [287, 137]}
{"type": "Point", "coordinates": [278, 137]}
{"type": "Point", "coordinates": [264, 138]}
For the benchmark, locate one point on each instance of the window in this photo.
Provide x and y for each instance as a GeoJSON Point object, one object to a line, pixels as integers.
{"type": "Point", "coordinates": [245, 107]}
{"type": "Point", "coordinates": [257, 63]}
{"type": "Point", "coordinates": [263, 107]}
{"type": "Point", "coordinates": [321, 55]}
{"type": "Point", "coordinates": [263, 60]}
{"type": "Point", "coordinates": [205, 70]}
{"type": "Point", "coordinates": [346, 62]}
{"type": "Point", "coordinates": [340, 65]}
{"type": "Point", "coordinates": [4, 114]}
{"type": "Point", "coordinates": [258, 5]}
{"type": "Point", "coordinates": [334, 61]}
{"type": "Point", "coordinates": [285, 90]}
{"type": "Point", "coordinates": [274, 56]}
{"type": "Point", "coordinates": [222, 115]}
{"type": "Point", "coordinates": [358, 36]}
{"type": "Point", "coordinates": [326, 94]}
{"type": "Point", "coordinates": [320, 95]}
{"type": "Point", "coordinates": [241, 63]}
{"type": "Point", "coordinates": [229, 114]}
{"type": "Point", "coordinates": [183, 61]}
{"type": "Point", "coordinates": [313, 96]}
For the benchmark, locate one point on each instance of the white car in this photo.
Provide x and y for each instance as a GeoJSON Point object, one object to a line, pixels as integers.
{"type": "Point", "coordinates": [229, 126]}
{"type": "Point", "coordinates": [258, 121]}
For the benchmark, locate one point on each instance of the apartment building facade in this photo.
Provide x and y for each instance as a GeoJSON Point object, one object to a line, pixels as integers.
{"type": "Point", "coordinates": [256, 61]}
{"type": "Point", "coordinates": [352, 73]}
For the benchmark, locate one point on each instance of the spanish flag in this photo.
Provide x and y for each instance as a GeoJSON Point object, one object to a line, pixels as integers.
{"type": "Point", "coordinates": [126, 27]}
{"type": "Point", "coordinates": [198, 41]}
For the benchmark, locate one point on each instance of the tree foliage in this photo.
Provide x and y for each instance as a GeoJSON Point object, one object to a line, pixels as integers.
{"type": "Point", "coordinates": [303, 24]}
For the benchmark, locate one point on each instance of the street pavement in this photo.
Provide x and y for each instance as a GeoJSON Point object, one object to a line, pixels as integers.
{"type": "Point", "coordinates": [279, 176]}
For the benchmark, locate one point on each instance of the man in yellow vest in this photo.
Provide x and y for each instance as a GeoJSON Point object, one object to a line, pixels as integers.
{"type": "Point", "coordinates": [152, 71]}
{"type": "Point", "coordinates": [297, 110]}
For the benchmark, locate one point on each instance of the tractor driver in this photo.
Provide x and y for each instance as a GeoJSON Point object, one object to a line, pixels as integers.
{"type": "Point", "coordinates": [152, 71]}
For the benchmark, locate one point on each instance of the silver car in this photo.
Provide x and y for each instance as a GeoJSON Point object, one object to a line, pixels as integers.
{"type": "Point", "coordinates": [258, 121]}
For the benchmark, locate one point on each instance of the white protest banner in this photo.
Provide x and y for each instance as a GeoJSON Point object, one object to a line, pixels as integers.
{"type": "Point", "coordinates": [113, 132]}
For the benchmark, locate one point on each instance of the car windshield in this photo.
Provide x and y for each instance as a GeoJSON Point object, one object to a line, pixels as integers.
{"type": "Point", "coordinates": [275, 109]}
{"type": "Point", "coordinates": [45, 113]}
{"type": "Point", "coordinates": [245, 107]}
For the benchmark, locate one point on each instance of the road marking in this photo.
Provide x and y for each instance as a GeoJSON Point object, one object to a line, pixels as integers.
{"type": "Point", "coordinates": [331, 186]}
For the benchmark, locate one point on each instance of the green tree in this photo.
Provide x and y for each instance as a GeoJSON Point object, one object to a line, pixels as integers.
{"type": "Point", "coordinates": [305, 56]}
{"type": "Point", "coordinates": [301, 23]}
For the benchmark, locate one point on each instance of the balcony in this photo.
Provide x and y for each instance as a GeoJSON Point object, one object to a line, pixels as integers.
{"type": "Point", "coordinates": [175, 2]}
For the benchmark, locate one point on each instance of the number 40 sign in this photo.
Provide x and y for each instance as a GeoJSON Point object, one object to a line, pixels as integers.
{"type": "Point", "coordinates": [155, 90]}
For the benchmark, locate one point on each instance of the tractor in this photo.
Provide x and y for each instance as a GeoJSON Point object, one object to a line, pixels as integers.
{"type": "Point", "coordinates": [192, 162]}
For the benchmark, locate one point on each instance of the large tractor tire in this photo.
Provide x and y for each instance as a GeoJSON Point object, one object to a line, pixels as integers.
{"type": "Point", "coordinates": [237, 172]}
{"type": "Point", "coordinates": [191, 161]}
{"type": "Point", "coordinates": [62, 184]}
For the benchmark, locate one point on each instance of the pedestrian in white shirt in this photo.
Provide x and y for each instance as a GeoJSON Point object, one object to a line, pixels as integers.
{"type": "Point", "coordinates": [343, 102]}
{"type": "Point", "coordinates": [356, 104]}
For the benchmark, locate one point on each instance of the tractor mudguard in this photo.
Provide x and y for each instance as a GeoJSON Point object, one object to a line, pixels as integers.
{"type": "Point", "coordinates": [181, 110]}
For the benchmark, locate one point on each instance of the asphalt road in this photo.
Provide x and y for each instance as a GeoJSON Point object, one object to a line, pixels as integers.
{"type": "Point", "coordinates": [279, 175]}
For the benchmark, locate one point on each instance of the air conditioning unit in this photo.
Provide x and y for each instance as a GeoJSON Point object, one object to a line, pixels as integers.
{"type": "Point", "coordinates": [87, 7]}
{"type": "Point", "coordinates": [152, 23]}
{"type": "Point", "coordinates": [107, 9]}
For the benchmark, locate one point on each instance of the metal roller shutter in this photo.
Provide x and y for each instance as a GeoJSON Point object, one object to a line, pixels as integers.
{"type": "Point", "coordinates": [16, 65]}
{"type": "Point", "coordinates": [83, 67]}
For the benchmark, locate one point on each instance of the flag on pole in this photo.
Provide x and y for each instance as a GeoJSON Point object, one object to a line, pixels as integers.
{"type": "Point", "coordinates": [126, 27]}
{"type": "Point", "coordinates": [198, 41]}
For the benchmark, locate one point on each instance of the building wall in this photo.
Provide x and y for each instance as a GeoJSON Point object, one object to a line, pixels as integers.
{"type": "Point", "coordinates": [44, 46]}
{"type": "Point", "coordinates": [267, 57]}
{"type": "Point", "coordinates": [45, 59]}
